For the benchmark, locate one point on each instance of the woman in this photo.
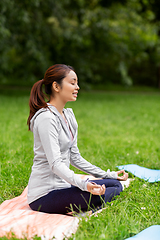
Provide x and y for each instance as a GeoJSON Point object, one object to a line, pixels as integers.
{"type": "Point", "coordinates": [53, 187]}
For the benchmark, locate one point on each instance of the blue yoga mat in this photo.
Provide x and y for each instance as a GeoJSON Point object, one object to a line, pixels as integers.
{"type": "Point", "coordinates": [149, 175]}
{"type": "Point", "coordinates": [151, 233]}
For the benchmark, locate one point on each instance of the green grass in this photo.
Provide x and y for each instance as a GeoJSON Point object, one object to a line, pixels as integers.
{"type": "Point", "coordinates": [114, 129]}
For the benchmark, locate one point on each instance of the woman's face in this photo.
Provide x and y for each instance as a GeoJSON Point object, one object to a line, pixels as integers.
{"type": "Point", "coordinates": [69, 88]}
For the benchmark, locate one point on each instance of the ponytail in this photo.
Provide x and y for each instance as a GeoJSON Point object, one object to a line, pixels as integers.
{"type": "Point", "coordinates": [37, 100]}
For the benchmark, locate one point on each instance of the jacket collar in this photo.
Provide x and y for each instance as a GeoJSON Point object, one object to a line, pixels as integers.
{"type": "Point", "coordinates": [63, 122]}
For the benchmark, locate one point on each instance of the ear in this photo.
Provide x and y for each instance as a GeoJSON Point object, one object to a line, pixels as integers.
{"type": "Point", "coordinates": [55, 86]}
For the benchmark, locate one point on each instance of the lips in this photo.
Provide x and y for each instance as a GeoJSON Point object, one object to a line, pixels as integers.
{"type": "Point", "coordinates": [75, 94]}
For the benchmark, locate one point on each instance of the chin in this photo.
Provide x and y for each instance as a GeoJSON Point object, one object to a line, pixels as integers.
{"type": "Point", "coordinates": [73, 100]}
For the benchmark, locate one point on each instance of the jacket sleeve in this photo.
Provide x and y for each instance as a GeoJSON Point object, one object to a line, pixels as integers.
{"type": "Point", "coordinates": [79, 162]}
{"type": "Point", "coordinates": [48, 132]}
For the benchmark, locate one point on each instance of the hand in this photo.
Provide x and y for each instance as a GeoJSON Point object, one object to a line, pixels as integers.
{"type": "Point", "coordinates": [96, 189]}
{"type": "Point", "coordinates": [124, 177]}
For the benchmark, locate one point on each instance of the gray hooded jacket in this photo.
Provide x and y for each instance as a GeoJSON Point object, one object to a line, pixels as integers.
{"type": "Point", "coordinates": [55, 148]}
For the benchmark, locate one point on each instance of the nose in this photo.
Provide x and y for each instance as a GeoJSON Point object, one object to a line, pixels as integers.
{"type": "Point", "coordinates": [77, 87]}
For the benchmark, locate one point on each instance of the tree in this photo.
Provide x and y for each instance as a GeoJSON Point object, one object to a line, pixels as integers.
{"type": "Point", "coordinates": [106, 41]}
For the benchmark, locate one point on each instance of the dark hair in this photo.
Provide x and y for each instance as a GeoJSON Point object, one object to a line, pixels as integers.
{"type": "Point", "coordinates": [55, 73]}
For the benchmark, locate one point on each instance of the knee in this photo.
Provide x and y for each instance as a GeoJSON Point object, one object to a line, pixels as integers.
{"type": "Point", "coordinates": [119, 186]}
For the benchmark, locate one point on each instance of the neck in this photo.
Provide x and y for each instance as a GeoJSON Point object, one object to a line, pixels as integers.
{"type": "Point", "coordinates": [59, 105]}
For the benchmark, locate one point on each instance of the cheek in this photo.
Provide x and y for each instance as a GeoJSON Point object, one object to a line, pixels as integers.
{"type": "Point", "coordinates": [69, 88]}
{"type": "Point", "coordinates": [66, 92]}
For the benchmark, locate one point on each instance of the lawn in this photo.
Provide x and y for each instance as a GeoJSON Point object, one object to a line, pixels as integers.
{"type": "Point", "coordinates": [114, 129]}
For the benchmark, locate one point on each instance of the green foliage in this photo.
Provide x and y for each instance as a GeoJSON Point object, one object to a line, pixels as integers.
{"type": "Point", "coordinates": [115, 40]}
{"type": "Point", "coordinates": [23, 46]}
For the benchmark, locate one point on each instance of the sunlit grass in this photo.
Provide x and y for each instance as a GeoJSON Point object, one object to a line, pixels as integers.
{"type": "Point", "coordinates": [114, 129]}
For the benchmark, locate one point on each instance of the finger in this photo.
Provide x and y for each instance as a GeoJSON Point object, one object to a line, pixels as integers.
{"type": "Point", "coordinates": [120, 171]}
{"type": "Point", "coordinates": [104, 188]}
{"type": "Point", "coordinates": [125, 176]}
{"type": "Point", "coordinates": [96, 190]}
{"type": "Point", "coordinates": [101, 190]}
{"type": "Point", "coordinates": [91, 185]}
{"type": "Point", "coordinates": [96, 186]}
